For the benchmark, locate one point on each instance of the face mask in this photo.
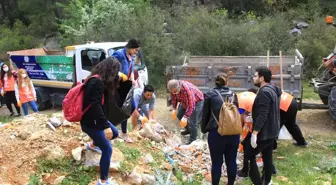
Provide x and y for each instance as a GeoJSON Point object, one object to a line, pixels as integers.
{"type": "Point", "coordinates": [24, 75]}
{"type": "Point", "coordinates": [5, 69]}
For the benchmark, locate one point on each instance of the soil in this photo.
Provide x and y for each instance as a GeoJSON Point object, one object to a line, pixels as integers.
{"type": "Point", "coordinates": [19, 153]}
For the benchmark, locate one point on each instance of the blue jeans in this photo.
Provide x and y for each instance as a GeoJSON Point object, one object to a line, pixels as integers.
{"type": "Point", "coordinates": [193, 120]}
{"type": "Point", "coordinates": [32, 105]}
{"type": "Point", "coordinates": [219, 146]}
{"type": "Point", "coordinates": [99, 139]}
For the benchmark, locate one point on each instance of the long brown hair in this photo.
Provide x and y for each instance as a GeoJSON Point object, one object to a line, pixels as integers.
{"type": "Point", "coordinates": [21, 80]}
{"type": "Point", "coordinates": [9, 73]}
{"type": "Point", "coordinates": [108, 71]}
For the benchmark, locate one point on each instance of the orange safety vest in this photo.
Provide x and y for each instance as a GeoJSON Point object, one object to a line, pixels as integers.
{"type": "Point", "coordinates": [9, 84]}
{"type": "Point", "coordinates": [285, 101]}
{"type": "Point", "coordinates": [25, 93]}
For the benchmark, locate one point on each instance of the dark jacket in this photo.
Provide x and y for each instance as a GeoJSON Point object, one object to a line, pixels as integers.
{"type": "Point", "coordinates": [95, 117]}
{"type": "Point", "coordinates": [266, 112]}
{"type": "Point", "coordinates": [212, 102]}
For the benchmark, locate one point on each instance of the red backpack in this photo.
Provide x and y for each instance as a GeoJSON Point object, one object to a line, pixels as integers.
{"type": "Point", "coordinates": [73, 102]}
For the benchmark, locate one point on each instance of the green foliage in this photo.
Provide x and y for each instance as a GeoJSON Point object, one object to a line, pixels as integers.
{"type": "Point", "coordinates": [74, 172]}
{"type": "Point", "coordinates": [15, 38]}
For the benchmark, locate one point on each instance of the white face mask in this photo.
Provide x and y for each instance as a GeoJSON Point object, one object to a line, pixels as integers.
{"type": "Point", "coordinates": [24, 75]}
{"type": "Point", "coordinates": [5, 69]}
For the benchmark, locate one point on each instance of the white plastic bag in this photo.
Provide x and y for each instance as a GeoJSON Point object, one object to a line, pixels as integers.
{"type": "Point", "coordinates": [284, 134]}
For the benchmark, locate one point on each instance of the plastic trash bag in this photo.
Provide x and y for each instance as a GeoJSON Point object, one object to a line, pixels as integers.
{"type": "Point", "coordinates": [284, 134]}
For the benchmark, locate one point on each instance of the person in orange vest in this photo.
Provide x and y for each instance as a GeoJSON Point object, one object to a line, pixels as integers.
{"type": "Point", "coordinates": [25, 92]}
{"type": "Point", "coordinates": [8, 90]}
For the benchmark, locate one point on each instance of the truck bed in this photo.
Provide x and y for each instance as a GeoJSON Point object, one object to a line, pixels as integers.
{"type": "Point", "coordinates": [202, 70]}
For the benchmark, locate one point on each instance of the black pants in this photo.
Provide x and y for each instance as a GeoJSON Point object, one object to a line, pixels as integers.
{"type": "Point", "coordinates": [266, 148]}
{"type": "Point", "coordinates": [2, 100]}
{"type": "Point", "coordinates": [9, 99]}
{"type": "Point", "coordinates": [289, 120]}
{"type": "Point", "coordinates": [220, 146]}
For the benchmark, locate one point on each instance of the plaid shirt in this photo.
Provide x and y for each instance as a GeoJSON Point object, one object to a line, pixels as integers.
{"type": "Point", "coordinates": [189, 95]}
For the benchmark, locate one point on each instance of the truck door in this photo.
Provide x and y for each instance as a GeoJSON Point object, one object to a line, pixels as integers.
{"type": "Point", "coordinates": [85, 59]}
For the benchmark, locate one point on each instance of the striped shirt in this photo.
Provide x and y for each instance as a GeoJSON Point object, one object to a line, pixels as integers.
{"type": "Point", "coordinates": [189, 95]}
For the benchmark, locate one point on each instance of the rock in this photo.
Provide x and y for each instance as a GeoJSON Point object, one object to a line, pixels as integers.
{"type": "Point", "coordinates": [93, 158]}
{"type": "Point", "coordinates": [135, 177]}
{"type": "Point", "coordinates": [148, 158]}
{"type": "Point", "coordinates": [56, 122]}
{"type": "Point", "coordinates": [49, 125]}
{"type": "Point", "coordinates": [77, 153]}
{"type": "Point", "coordinates": [173, 140]}
{"type": "Point", "coordinates": [53, 152]}
{"type": "Point", "coordinates": [66, 123]}
{"type": "Point", "coordinates": [65, 131]}
{"type": "Point", "coordinates": [147, 179]}
{"type": "Point", "coordinates": [46, 176]}
{"type": "Point", "coordinates": [59, 180]}
{"type": "Point", "coordinates": [186, 168]}
{"type": "Point", "coordinates": [86, 139]}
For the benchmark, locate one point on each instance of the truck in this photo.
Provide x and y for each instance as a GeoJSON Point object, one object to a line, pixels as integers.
{"type": "Point", "coordinates": [54, 73]}
{"type": "Point", "coordinates": [325, 86]}
{"type": "Point", "coordinates": [202, 71]}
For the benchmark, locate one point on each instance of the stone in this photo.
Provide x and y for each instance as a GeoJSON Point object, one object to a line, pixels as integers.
{"type": "Point", "coordinates": [53, 152]}
{"type": "Point", "coordinates": [93, 158]}
{"type": "Point", "coordinates": [77, 153]}
{"type": "Point", "coordinates": [59, 180]}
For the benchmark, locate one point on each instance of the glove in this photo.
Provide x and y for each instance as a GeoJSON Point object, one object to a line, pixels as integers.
{"type": "Point", "coordinates": [143, 119]}
{"type": "Point", "coordinates": [122, 76]}
{"type": "Point", "coordinates": [183, 122]}
{"type": "Point", "coordinates": [254, 140]}
{"type": "Point", "coordinates": [18, 103]}
{"type": "Point", "coordinates": [173, 115]}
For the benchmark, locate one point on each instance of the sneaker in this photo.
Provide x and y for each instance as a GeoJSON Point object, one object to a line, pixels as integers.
{"type": "Point", "coordinates": [108, 182]}
{"type": "Point", "coordinates": [241, 173]}
{"type": "Point", "coordinates": [11, 114]}
{"type": "Point", "coordinates": [96, 148]}
{"type": "Point", "coordinates": [185, 132]}
{"type": "Point", "coordinates": [304, 145]}
{"type": "Point", "coordinates": [18, 115]}
{"type": "Point", "coordinates": [126, 138]}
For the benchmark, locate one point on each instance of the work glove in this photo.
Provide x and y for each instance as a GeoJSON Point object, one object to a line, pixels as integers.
{"type": "Point", "coordinates": [18, 103]}
{"type": "Point", "coordinates": [173, 115]}
{"type": "Point", "coordinates": [143, 120]}
{"type": "Point", "coordinates": [254, 140]}
{"type": "Point", "coordinates": [183, 122]}
{"type": "Point", "coordinates": [122, 76]}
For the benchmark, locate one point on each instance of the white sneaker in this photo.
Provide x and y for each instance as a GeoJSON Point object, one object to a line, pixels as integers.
{"type": "Point", "coordinates": [126, 138]}
{"type": "Point", "coordinates": [108, 182]}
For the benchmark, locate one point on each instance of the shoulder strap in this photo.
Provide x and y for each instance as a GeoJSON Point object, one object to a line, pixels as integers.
{"type": "Point", "coordinates": [219, 95]}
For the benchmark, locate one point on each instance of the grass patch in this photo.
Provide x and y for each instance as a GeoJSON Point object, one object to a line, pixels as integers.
{"type": "Point", "coordinates": [74, 172]}
{"type": "Point", "coordinates": [131, 156]}
{"type": "Point", "coordinates": [304, 166]}
{"type": "Point", "coordinates": [308, 92]}
{"type": "Point", "coordinates": [6, 119]}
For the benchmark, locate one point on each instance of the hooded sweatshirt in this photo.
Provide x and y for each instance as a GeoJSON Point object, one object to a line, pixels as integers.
{"type": "Point", "coordinates": [266, 112]}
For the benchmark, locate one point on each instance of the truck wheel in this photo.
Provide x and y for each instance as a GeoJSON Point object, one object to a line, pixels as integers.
{"type": "Point", "coordinates": [42, 105]}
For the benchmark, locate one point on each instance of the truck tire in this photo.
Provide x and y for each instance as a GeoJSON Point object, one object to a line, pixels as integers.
{"type": "Point", "coordinates": [42, 105]}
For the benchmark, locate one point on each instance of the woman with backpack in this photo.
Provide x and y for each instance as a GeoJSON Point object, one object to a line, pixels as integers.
{"type": "Point", "coordinates": [102, 82]}
{"type": "Point", "coordinates": [7, 80]}
{"type": "Point", "coordinates": [221, 144]}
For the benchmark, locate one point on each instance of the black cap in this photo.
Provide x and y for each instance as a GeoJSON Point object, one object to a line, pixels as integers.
{"type": "Point", "coordinates": [133, 43]}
